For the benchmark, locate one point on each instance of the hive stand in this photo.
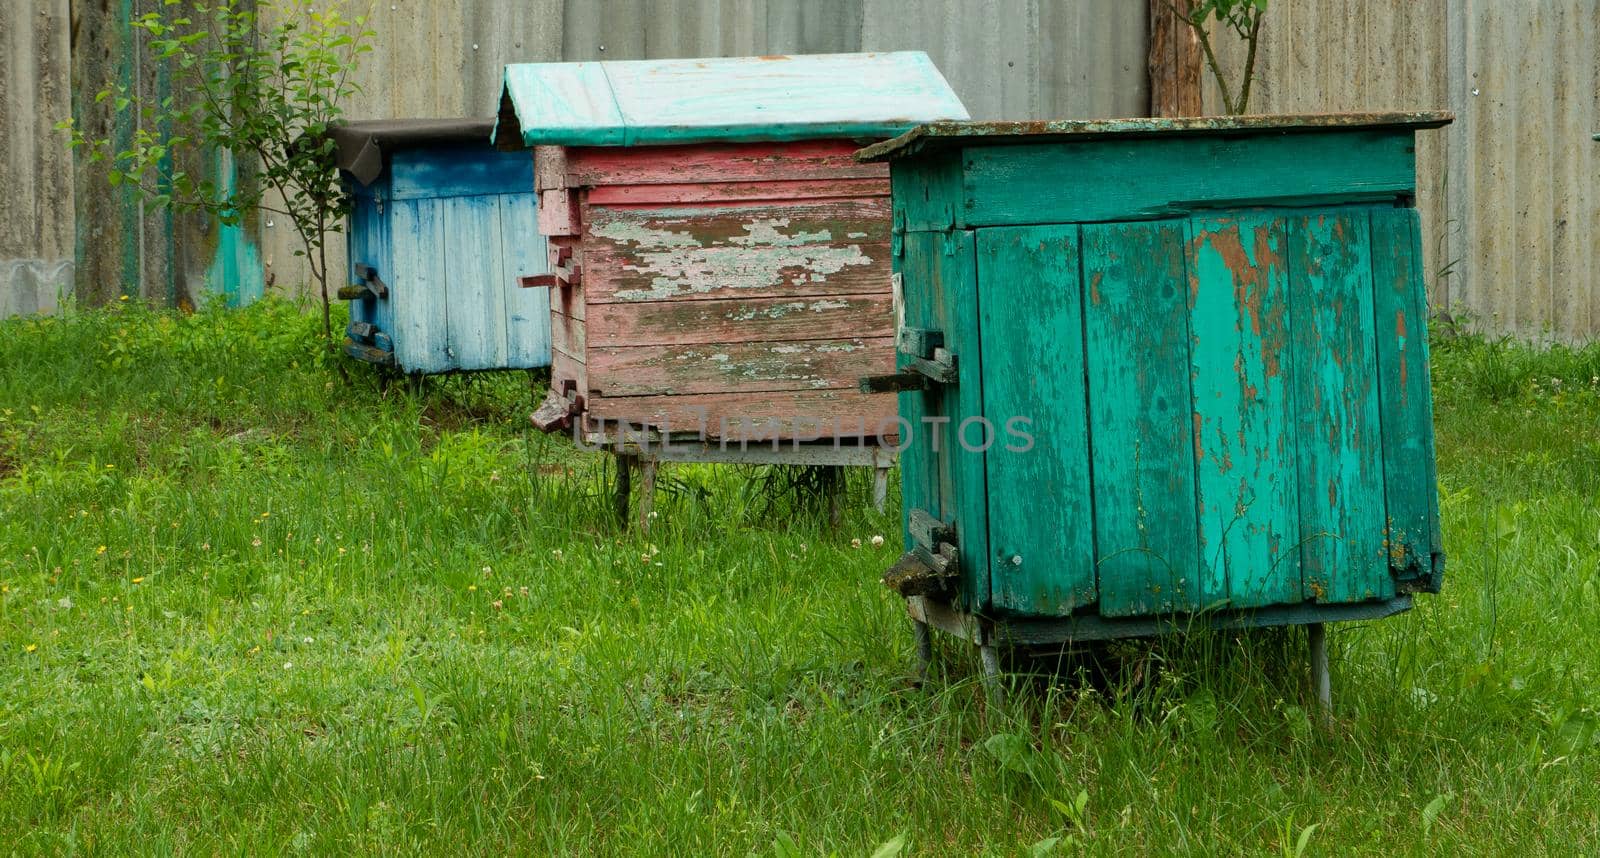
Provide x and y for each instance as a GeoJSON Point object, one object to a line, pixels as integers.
{"type": "Point", "coordinates": [646, 452]}
{"type": "Point", "coordinates": [988, 635]}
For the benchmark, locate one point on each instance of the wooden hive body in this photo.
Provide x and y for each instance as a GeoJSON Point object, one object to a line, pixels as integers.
{"type": "Point", "coordinates": [720, 263]}
{"type": "Point", "coordinates": [1216, 332]}
{"type": "Point", "coordinates": [736, 291]}
{"type": "Point", "coordinates": [447, 225]}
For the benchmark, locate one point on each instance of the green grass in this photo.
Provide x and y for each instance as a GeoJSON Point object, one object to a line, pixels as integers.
{"type": "Point", "coordinates": [249, 606]}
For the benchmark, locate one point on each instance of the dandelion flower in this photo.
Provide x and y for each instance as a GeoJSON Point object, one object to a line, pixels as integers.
{"type": "Point", "coordinates": [876, 540]}
{"type": "Point", "coordinates": [139, 580]}
{"type": "Point", "coordinates": [30, 648]}
{"type": "Point", "coordinates": [100, 550]}
{"type": "Point", "coordinates": [472, 588]}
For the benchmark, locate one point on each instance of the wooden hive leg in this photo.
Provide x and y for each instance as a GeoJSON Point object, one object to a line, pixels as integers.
{"type": "Point", "coordinates": [624, 486]}
{"type": "Point", "coordinates": [647, 492]}
{"type": "Point", "coordinates": [989, 656]}
{"type": "Point", "coordinates": [1317, 636]}
{"type": "Point", "coordinates": [924, 638]}
{"type": "Point", "coordinates": [834, 482]}
{"type": "Point", "coordinates": [880, 488]}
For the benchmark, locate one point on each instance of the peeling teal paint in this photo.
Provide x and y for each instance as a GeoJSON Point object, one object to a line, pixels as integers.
{"type": "Point", "coordinates": [235, 271]}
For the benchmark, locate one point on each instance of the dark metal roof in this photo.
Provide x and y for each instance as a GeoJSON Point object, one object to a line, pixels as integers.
{"type": "Point", "coordinates": [360, 145]}
{"type": "Point", "coordinates": [944, 134]}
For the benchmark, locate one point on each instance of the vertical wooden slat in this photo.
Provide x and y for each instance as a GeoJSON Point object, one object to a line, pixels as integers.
{"type": "Point", "coordinates": [1031, 320]}
{"type": "Point", "coordinates": [527, 310]}
{"type": "Point", "coordinates": [1400, 315]}
{"type": "Point", "coordinates": [475, 305]}
{"type": "Point", "coordinates": [1137, 351]}
{"type": "Point", "coordinates": [1337, 434]}
{"type": "Point", "coordinates": [941, 293]}
{"type": "Point", "coordinates": [1243, 422]}
{"type": "Point", "coordinates": [417, 290]}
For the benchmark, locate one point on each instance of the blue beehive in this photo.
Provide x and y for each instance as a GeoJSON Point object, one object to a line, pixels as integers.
{"type": "Point", "coordinates": [443, 226]}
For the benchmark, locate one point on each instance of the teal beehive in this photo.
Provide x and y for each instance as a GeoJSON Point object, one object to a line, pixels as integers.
{"type": "Point", "coordinates": [1179, 367]}
{"type": "Point", "coordinates": [442, 227]}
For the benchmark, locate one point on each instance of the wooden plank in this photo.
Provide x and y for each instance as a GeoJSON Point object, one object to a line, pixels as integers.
{"type": "Point", "coordinates": [806, 160]}
{"type": "Point", "coordinates": [573, 300]}
{"type": "Point", "coordinates": [916, 300]}
{"type": "Point", "coordinates": [457, 172]}
{"type": "Point", "coordinates": [1246, 487]}
{"type": "Point", "coordinates": [741, 320]}
{"type": "Point", "coordinates": [417, 285]}
{"type": "Point", "coordinates": [766, 250]}
{"type": "Point", "coordinates": [475, 313]}
{"type": "Point", "coordinates": [523, 252]}
{"type": "Point", "coordinates": [831, 413]}
{"type": "Point", "coordinates": [558, 213]}
{"type": "Point", "coordinates": [737, 367]}
{"type": "Point", "coordinates": [549, 168]}
{"type": "Point", "coordinates": [1340, 442]}
{"type": "Point", "coordinates": [1406, 397]}
{"type": "Point", "coordinates": [1031, 314]}
{"type": "Point", "coordinates": [565, 368]}
{"type": "Point", "coordinates": [928, 193]}
{"type": "Point", "coordinates": [569, 335]}
{"type": "Point", "coordinates": [1158, 177]}
{"type": "Point", "coordinates": [732, 192]}
{"type": "Point", "coordinates": [960, 474]}
{"type": "Point", "coordinates": [1137, 350]}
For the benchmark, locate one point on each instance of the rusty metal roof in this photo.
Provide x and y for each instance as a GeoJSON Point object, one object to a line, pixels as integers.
{"type": "Point", "coordinates": [943, 134]}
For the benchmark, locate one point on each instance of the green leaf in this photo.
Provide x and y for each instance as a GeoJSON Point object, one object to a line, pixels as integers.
{"type": "Point", "coordinates": [890, 848]}
{"type": "Point", "coordinates": [1012, 750]}
{"type": "Point", "coordinates": [1305, 838]}
{"type": "Point", "coordinates": [1044, 847]}
{"type": "Point", "coordinates": [1433, 809]}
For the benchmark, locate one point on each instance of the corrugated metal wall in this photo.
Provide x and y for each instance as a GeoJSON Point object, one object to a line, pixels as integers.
{"type": "Point", "coordinates": [36, 199]}
{"type": "Point", "coordinates": [1510, 193]}
{"type": "Point", "coordinates": [1040, 58]}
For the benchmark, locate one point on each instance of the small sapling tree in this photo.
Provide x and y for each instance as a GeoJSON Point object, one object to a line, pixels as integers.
{"type": "Point", "coordinates": [260, 79]}
{"type": "Point", "coordinates": [1243, 17]}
